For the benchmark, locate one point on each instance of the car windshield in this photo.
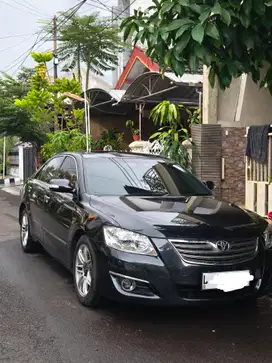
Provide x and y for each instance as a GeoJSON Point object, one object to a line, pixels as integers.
{"type": "Point", "coordinates": [141, 176]}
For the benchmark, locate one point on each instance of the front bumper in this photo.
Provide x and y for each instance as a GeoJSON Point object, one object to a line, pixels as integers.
{"type": "Point", "coordinates": [168, 280]}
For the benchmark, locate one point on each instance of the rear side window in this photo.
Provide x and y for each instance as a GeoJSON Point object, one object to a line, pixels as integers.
{"type": "Point", "coordinates": [51, 170]}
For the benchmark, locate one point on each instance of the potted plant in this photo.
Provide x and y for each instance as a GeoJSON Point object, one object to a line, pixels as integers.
{"type": "Point", "coordinates": [135, 132]}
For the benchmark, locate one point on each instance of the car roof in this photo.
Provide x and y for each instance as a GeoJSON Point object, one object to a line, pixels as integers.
{"type": "Point", "coordinates": [114, 154]}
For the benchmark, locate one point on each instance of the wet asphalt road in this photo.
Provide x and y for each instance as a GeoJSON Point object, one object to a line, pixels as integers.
{"type": "Point", "coordinates": [41, 320]}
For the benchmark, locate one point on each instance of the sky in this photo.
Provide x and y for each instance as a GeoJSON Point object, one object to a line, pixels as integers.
{"type": "Point", "coordinates": [19, 21]}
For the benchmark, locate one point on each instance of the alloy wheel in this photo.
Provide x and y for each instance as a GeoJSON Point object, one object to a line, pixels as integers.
{"type": "Point", "coordinates": [24, 230]}
{"type": "Point", "coordinates": [83, 270]}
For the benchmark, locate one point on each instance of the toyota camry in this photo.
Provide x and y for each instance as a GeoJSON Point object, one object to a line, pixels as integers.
{"type": "Point", "coordinates": [141, 228]}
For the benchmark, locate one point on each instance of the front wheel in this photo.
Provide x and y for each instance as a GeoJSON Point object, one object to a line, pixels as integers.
{"type": "Point", "coordinates": [86, 273]}
{"type": "Point", "coordinates": [27, 243]}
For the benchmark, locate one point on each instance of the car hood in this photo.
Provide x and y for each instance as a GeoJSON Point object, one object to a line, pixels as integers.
{"type": "Point", "coordinates": [196, 216]}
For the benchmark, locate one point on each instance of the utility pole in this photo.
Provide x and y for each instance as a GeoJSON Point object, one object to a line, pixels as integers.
{"type": "Point", "coordinates": [55, 60]}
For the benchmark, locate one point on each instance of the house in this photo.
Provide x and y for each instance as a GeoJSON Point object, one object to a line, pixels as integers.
{"type": "Point", "coordinates": [138, 90]}
{"type": "Point", "coordinates": [226, 118]}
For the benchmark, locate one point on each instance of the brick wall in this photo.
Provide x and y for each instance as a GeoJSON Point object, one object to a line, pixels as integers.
{"type": "Point", "coordinates": [233, 152]}
{"type": "Point", "coordinates": [213, 144]}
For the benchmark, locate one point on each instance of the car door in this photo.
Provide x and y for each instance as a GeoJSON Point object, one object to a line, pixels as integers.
{"type": "Point", "coordinates": [38, 196]}
{"type": "Point", "coordinates": [62, 210]}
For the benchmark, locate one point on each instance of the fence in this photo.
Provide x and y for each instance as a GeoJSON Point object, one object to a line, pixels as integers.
{"type": "Point", "coordinates": [259, 183]}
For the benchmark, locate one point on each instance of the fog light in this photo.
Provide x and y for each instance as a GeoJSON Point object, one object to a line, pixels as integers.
{"type": "Point", "coordinates": [128, 285]}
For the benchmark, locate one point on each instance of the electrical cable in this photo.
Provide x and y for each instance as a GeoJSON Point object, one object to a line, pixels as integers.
{"type": "Point", "coordinates": [14, 7]}
{"type": "Point", "coordinates": [16, 45]}
{"type": "Point", "coordinates": [73, 11]}
{"type": "Point", "coordinates": [103, 7]}
{"type": "Point", "coordinates": [16, 36]}
{"type": "Point", "coordinates": [28, 7]}
{"type": "Point", "coordinates": [34, 7]}
{"type": "Point", "coordinates": [93, 6]}
{"type": "Point", "coordinates": [118, 16]}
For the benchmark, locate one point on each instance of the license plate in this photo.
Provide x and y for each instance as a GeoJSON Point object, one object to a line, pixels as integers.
{"type": "Point", "coordinates": [226, 281]}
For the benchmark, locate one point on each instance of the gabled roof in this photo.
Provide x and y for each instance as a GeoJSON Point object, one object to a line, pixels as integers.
{"type": "Point", "coordinates": [138, 64]}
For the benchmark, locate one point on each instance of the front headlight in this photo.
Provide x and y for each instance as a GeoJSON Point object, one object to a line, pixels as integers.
{"type": "Point", "coordinates": [128, 241]}
{"type": "Point", "coordinates": [268, 236]}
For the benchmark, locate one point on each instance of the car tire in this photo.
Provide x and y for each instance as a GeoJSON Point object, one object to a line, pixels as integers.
{"type": "Point", "coordinates": [86, 273]}
{"type": "Point", "coordinates": [27, 243]}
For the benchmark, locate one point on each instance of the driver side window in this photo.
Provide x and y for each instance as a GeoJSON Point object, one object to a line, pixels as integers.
{"type": "Point", "coordinates": [51, 170]}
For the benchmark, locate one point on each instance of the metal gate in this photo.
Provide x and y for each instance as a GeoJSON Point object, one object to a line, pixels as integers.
{"type": "Point", "coordinates": [29, 156]}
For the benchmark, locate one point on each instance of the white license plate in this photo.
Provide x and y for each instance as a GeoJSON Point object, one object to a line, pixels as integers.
{"type": "Point", "coordinates": [226, 281]}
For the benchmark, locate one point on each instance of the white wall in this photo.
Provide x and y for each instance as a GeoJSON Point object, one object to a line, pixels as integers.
{"type": "Point", "coordinates": [257, 105]}
{"type": "Point", "coordinates": [241, 105]}
{"type": "Point", "coordinates": [227, 102]}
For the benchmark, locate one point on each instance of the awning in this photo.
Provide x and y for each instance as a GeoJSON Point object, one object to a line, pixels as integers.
{"type": "Point", "coordinates": [153, 87]}
{"type": "Point", "coordinates": [148, 88]}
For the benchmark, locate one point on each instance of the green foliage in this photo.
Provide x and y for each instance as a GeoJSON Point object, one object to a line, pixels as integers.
{"type": "Point", "coordinates": [91, 41]}
{"type": "Point", "coordinates": [15, 121]}
{"type": "Point", "coordinates": [130, 124]}
{"type": "Point", "coordinates": [171, 134]}
{"type": "Point", "coordinates": [194, 116]}
{"type": "Point", "coordinates": [44, 101]}
{"type": "Point", "coordinates": [61, 141]}
{"type": "Point", "coordinates": [231, 37]}
{"type": "Point", "coordinates": [42, 57]}
{"type": "Point", "coordinates": [110, 137]}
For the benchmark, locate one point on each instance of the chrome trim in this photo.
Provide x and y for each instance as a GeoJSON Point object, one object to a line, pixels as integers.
{"type": "Point", "coordinates": [204, 252]}
{"type": "Point", "coordinates": [128, 277]}
{"type": "Point", "coordinates": [114, 276]}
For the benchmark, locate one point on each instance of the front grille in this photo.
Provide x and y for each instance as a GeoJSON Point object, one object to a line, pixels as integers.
{"type": "Point", "coordinates": [207, 253]}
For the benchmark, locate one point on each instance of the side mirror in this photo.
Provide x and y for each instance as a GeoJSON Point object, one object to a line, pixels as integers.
{"type": "Point", "coordinates": [210, 184]}
{"type": "Point", "coordinates": [61, 186]}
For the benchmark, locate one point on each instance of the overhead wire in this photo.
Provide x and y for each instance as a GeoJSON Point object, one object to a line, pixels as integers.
{"type": "Point", "coordinates": [37, 11]}
{"type": "Point", "coordinates": [118, 16]}
{"type": "Point", "coordinates": [17, 36]}
{"type": "Point", "coordinates": [16, 45]}
{"type": "Point", "coordinates": [93, 6]}
{"type": "Point", "coordinates": [15, 7]}
{"type": "Point", "coordinates": [72, 11]}
{"type": "Point", "coordinates": [34, 7]}
{"type": "Point", "coordinates": [104, 7]}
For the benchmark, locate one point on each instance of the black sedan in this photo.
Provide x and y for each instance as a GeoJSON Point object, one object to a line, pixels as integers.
{"type": "Point", "coordinates": [140, 228]}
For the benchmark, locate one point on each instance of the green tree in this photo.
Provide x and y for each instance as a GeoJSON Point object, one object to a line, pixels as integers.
{"type": "Point", "coordinates": [15, 121]}
{"type": "Point", "coordinates": [46, 106]}
{"type": "Point", "coordinates": [45, 102]}
{"type": "Point", "coordinates": [91, 41]}
{"type": "Point", "coordinates": [231, 37]}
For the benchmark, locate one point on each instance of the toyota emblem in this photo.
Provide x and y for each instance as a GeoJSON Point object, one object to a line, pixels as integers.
{"type": "Point", "coordinates": [223, 245]}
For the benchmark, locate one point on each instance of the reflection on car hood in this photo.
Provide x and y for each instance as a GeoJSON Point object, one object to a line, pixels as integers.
{"type": "Point", "coordinates": [173, 215]}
